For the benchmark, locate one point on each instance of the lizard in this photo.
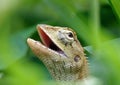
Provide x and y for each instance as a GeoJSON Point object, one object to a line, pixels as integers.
{"type": "Point", "coordinates": [61, 52]}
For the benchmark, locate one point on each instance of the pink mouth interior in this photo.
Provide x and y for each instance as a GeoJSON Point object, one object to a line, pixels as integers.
{"type": "Point", "coordinates": [45, 39]}
{"type": "Point", "coordinates": [48, 42]}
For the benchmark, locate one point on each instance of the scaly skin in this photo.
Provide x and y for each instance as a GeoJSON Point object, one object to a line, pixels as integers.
{"type": "Point", "coordinates": [65, 59]}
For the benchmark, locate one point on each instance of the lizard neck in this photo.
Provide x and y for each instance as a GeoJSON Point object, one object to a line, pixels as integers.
{"type": "Point", "coordinates": [65, 72]}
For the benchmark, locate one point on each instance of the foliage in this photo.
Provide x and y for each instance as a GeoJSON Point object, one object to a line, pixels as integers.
{"type": "Point", "coordinates": [95, 21]}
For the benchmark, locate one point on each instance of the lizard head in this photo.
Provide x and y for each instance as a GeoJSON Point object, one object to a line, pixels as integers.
{"type": "Point", "coordinates": [60, 51]}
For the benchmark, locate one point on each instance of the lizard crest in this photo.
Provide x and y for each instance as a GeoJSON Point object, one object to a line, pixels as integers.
{"type": "Point", "coordinates": [61, 52]}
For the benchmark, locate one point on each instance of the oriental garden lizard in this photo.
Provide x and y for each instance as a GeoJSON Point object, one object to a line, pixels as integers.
{"type": "Point", "coordinates": [61, 52]}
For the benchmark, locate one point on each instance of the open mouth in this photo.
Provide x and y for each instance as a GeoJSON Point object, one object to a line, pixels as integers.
{"type": "Point", "coordinates": [47, 42]}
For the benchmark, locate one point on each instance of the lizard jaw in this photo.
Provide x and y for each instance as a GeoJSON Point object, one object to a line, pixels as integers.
{"type": "Point", "coordinates": [39, 49]}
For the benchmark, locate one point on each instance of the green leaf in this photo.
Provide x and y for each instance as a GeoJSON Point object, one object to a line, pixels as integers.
{"type": "Point", "coordinates": [116, 6]}
{"type": "Point", "coordinates": [17, 48]}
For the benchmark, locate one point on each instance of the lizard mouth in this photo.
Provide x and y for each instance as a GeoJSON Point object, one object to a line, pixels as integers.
{"type": "Point", "coordinates": [47, 42]}
{"type": "Point", "coordinates": [47, 46]}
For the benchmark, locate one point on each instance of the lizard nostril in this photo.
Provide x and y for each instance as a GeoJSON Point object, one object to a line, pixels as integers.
{"type": "Point", "coordinates": [77, 58]}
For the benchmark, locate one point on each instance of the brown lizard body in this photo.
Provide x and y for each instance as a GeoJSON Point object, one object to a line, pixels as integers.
{"type": "Point", "coordinates": [61, 53]}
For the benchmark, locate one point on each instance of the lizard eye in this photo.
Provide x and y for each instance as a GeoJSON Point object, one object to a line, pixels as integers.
{"type": "Point", "coordinates": [66, 36]}
{"type": "Point", "coordinates": [70, 34]}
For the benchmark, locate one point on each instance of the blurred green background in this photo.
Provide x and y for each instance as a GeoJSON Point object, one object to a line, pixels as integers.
{"type": "Point", "coordinates": [95, 21]}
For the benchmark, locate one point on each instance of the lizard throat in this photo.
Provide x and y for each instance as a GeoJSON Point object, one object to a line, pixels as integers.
{"type": "Point", "coordinates": [48, 42]}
